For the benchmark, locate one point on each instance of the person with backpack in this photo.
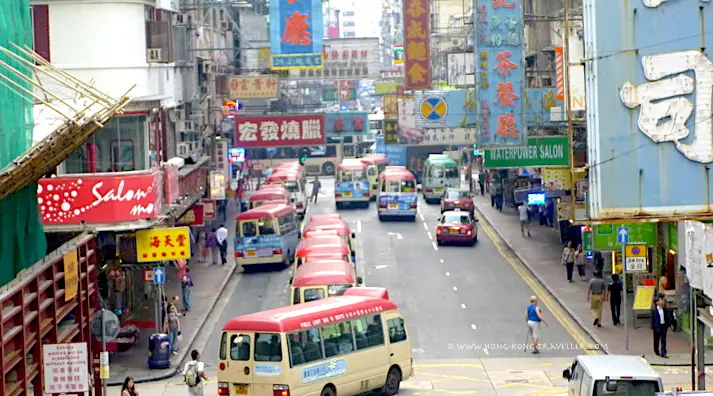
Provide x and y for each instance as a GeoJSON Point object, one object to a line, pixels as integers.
{"type": "Point", "coordinates": [194, 375]}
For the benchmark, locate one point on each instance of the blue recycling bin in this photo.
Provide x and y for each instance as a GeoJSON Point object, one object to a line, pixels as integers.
{"type": "Point", "coordinates": [159, 351]}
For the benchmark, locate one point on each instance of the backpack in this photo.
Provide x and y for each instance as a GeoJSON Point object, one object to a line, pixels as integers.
{"type": "Point", "coordinates": [191, 377]}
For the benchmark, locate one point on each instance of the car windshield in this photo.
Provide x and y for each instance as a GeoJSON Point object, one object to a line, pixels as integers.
{"type": "Point", "coordinates": [627, 388]}
{"type": "Point", "coordinates": [313, 294]}
{"type": "Point", "coordinates": [462, 218]}
{"type": "Point", "coordinates": [455, 194]}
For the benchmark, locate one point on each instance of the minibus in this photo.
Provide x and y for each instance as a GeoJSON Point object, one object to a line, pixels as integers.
{"type": "Point", "coordinates": [345, 345]}
{"type": "Point", "coordinates": [293, 181]}
{"type": "Point", "coordinates": [321, 244]}
{"type": "Point", "coordinates": [376, 292]}
{"type": "Point", "coordinates": [267, 234]}
{"type": "Point", "coordinates": [439, 173]}
{"type": "Point", "coordinates": [268, 194]}
{"type": "Point", "coordinates": [340, 227]}
{"type": "Point", "coordinates": [321, 279]}
{"type": "Point", "coordinates": [397, 194]}
{"type": "Point", "coordinates": [351, 184]}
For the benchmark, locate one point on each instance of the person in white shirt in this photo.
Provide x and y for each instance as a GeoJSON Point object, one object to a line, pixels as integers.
{"type": "Point", "coordinates": [222, 235]}
{"type": "Point", "coordinates": [524, 219]}
{"type": "Point", "coordinates": [196, 368]}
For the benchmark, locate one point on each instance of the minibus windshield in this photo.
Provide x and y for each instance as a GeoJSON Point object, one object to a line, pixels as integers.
{"type": "Point", "coordinates": [627, 388]}
{"type": "Point", "coordinates": [313, 294]}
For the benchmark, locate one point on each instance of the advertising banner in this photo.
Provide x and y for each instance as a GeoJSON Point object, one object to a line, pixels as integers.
{"type": "Point", "coordinates": [338, 94]}
{"type": "Point", "coordinates": [354, 189]}
{"type": "Point", "coordinates": [417, 50]}
{"type": "Point", "coordinates": [394, 152]}
{"type": "Point", "coordinates": [398, 55]}
{"type": "Point", "coordinates": [389, 88]}
{"type": "Point", "coordinates": [391, 106]}
{"type": "Point", "coordinates": [500, 77]}
{"type": "Point", "coordinates": [391, 132]}
{"type": "Point", "coordinates": [554, 179]}
{"type": "Point", "coordinates": [545, 151]}
{"type": "Point", "coordinates": [296, 32]}
{"type": "Point", "coordinates": [192, 217]}
{"type": "Point", "coordinates": [254, 87]}
{"type": "Point", "coordinates": [650, 136]}
{"type": "Point", "coordinates": [449, 109]}
{"type": "Point", "coordinates": [412, 135]}
{"type": "Point", "coordinates": [461, 69]}
{"type": "Point", "coordinates": [398, 203]}
{"type": "Point", "coordinates": [280, 131]}
{"type": "Point", "coordinates": [71, 275]}
{"type": "Point", "coordinates": [161, 244]}
{"type": "Point", "coordinates": [576, 74]}
{"type": "Point", "coordinates": [257, 246]}
{"type": "Point", "coordinates": [346, 123]}
{"type": "Point", "coordinates": [538, 102]}
{"type": "Point", "coordinates": [347, 59]}
{"type": "Point", "coordinates": [109, 198]}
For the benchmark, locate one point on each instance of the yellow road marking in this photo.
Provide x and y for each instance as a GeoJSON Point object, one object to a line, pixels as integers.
{"type": "Point", "coordinates": [448, 365]}
{"type": "Point", "coordinates": [551, 392]}
{"type": "Point", "coordinates": [455, 377]}
{"type": "Point", "coordinates": [527, 384]}
{"type": "Point", "coordinates": [543, 295]}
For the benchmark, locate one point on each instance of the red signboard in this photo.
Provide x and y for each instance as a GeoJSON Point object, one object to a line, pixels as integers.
{"type": "Point", "coordinates": [108, 198]}
{"type": "Point", "coordinates": [192, 217]}
{"type": "Point", "coordinates": [171, 189]}
{"type": "Point", "coordinates": [148, 275]}
{"type": "Point", "coordinates": [208, 208]}
{"type": "Point", "coordinates": [276, 131]}
{"type": "Point", "coordinates": [417, 51]}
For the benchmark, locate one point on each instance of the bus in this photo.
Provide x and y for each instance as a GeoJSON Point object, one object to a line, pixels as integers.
{"type": "Point", "coordinates": [321, 279]}
{"type": "Point", "coordinates": [397, 193]}
{"type": "Point", "coordinates": [267, 234]}
{"type": "Point", "coordinates": [351, 185]}
{"type": "Point", "coordinates": [345, 345]}
{"type": "Point", "coordinates": [439, 172]}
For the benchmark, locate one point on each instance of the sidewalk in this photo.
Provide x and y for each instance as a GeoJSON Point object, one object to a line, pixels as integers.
{"type": "Point", "coordinates": [204, 296]}
{"type": "Point", "coordinates": [541, 253]}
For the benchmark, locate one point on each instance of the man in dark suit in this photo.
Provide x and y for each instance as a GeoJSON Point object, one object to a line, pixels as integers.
{"type": "Point", "coordinates": [661, 320]}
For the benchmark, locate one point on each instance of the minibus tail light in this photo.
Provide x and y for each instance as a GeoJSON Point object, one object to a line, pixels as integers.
{"type": "Point", "coordinates": [428, 190]}
{"type": "Point", "coordinates": [280, 390]}
{"type": "Point", "coordinates": [366, 194]}
{"type": "Point", "coordinates": [299, 205]}
{"type": "Point", "coordinates": [414, 206]}
{"type": "Point", "coordinates": [338, 195]}
{"type": "Point", "coordinates": [239, 253]}
{"type": "Point", "coordinates": [382, 205]}
{"type": "Point", "coordinates": [276, 251]}
{"type": "Point", "coordinates": [223, 388]}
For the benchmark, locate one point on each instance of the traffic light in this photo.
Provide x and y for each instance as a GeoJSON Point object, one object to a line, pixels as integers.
{"type": "Point", "coordinates": [304, 154]}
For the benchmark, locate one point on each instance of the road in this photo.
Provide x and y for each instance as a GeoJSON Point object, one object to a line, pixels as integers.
{"type": "Point", "coordinates": [464, 308]}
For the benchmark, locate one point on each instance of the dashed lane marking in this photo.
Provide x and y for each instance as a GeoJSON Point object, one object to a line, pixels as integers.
{"type": "Point", "coordinates": [455, 288]}
{"type": "Point", "coordinates": [474, 327]}
{"type": "Point", "coordinates": [359, 226]}
{"type": "Point", "coordinates": [448, 274]}
{"type": "Point", "coordinates": [421, 216]}
{"type": "Point", "coordinates": [441, 261]}
{"type": "Point", "coordinates": [430, 236]}
{"type": "Point", "coordinates": [435, 247]}
{"type": "Point", "coordinates": [463, 306]}
{"type": "Point", "coordinates": [425, 226]}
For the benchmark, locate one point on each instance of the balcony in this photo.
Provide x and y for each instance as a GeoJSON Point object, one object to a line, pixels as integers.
{"type": "Point", "coordinates": [159, 42]}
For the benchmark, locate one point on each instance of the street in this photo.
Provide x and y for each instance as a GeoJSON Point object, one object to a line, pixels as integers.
{"type": "Point", "coordinates": [464, 306]}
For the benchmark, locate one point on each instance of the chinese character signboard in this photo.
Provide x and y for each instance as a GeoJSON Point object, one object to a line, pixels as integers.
{"type": "Point", "coordinates": [417, 50]}
{"type": "Point", "coordinates": [391, 132]}
{"type": "Point", "coordinates": [411, 135]}
{"type": "Point", "coordinates": [346, 123]}
{"type": "Point", "coordinates": [71, 275]}
{"type": "Point", "coordinates": [192, 217]}
{"type": "Point", "coordinates": [253, 87]}
{"type": "Point", "coordinates": [649, 120]}
{"type": "Point", "coordinates": [500, 72]}
{"type": "Point", "coordinates": [65, 368]}
{"type": "Point", "coordinates": [538, 102]}
{"type": "Point", "coordinates": [278, 131]}
{"type": "Point", "coordinates": [161, 244]}
{"type": "Point", "coordinates": [545, 151]}
{"type": "Point", "coordinates": [450, 109]}
{"type": "Point", "coordinates": [218, 184]}
{"type": "Point", "coordinates": [296, 32]}
{"type": "Point", "coordinates": [111, 198]}
{"type": "Point", "coordinates": [345, 59]}
{"type": "Point", "coordinates": [390, 103]}
{"type": "Point", "coordinates": [338, 94]}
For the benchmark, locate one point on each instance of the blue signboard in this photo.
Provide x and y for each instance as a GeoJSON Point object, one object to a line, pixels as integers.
{"type": "Point", "coordinates": [396, 153]}
{"type": "Point", "coordinates": [346, 123]}
{"type": "Point", "coordinates": [500, 77]}
{"type": "Point", "coordinates": [357, 189]}
{"type": "Point", "coordinates": [331, 369]}
{"type": "Point", "coordinates": [258, 246]}
{"type": "Point", "coordinates": [447, 109]}
{"type": "Point", "coordinates": [296, 32]}
{"type": "Point", "coordinates": [538, 102]}
{"type": "Point", "coordinates": [398, 204]}
{"type": "Point", "coordinates": [649, 107]}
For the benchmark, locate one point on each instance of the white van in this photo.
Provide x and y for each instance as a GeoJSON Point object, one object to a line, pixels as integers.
{"type": "Point", "coordinates": [612, 375]}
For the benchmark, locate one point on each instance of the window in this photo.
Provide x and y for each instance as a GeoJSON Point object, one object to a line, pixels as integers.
{"type": "Point", "coordinates": [287, 223]}
{"type": "Point", "coordinates": [313, 294]}
{"type": "Point", "coordinates": [296, 297]}
{"type": "Point", "coordinates": [436, 171]}
{"type": "Point", "coordinates": [41, 27]}
{"type": "Point", "coordinates": [346, 176]}
{"type": "Point", "coordinates": [359, 175]}
{"type": "Point", "coordinates": [348, 23]}
{"type": "Point", "coordinates": [338, 339]}
{"type": "Point", "coordinates": [240, 347]}
{"type": "Point", "coordinates": [372, 170]}
{"type": "Point", "coordinates": [266, 226]}
{"type": "Point", "coordinates": [291, 186]}
{"type": "Point", "coordinates": [456, 217]}
{"type": "Point", "coordinates": [224, 346]}
{"type": "Point", "coordinates": [249, 229]}
{"type": "Point", "coordinates": [408, 186]}
{"type": "Point", "coordinates": [349, 34]}
{"type": "Point", "coordinates": [368, 332]}
{"type": "Point", "coordinates": [392, 186]}
{"type": "Point", "coordinates": [455, 194]}
{"type": "Point", "coordinates": [268, 347]}
{"type": "Point", "coordinates": [452, 172]}
{"type": "Point", "coordinates": [397, 331]}
{"type": "Point", "coordinates": [123, 156]}
{"type": "Point", "coordinates": [628, 388]}
{"type": "Point", "coordinates": [337, 290]}
{"type": "Point", "coordinates": [305, 347]}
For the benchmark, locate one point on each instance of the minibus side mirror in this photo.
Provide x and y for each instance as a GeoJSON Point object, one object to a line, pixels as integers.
{"type": "Point", "coordinates": [353, 235]}
{"type": "Point", "coordinates": [565, 373]}
{"type": "Point", "coordinates": [610, 385]}
{"type": "Point", "coordinates": [360, 280]}
{"type": "Point", "coordinates": [291, 279]}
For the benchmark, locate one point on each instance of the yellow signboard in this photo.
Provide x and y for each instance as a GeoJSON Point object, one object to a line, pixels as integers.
{"type": "Point", "coordinates": [636, 251]}
{"type": "Point", "coordinates": [644, 298]}
{"type": "Point", "coordinates": [391, 106]}
{"type": "Point", "coordinates": [556, 179]}
{"type": "Point", "coordinates": [253, 87]}
{"type": "Point", "coordinates": [263, 58]}
{"type": "Point", "coordinates": [71, 275]}
{"type": "Point", "coordinates": [163, 244]}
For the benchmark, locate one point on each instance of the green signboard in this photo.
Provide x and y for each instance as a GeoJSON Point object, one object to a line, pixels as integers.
{"type": "Point", "coordinates": [587, 241]}
{"type": "Point", "coordinates": [388, 87]}
{"type": "Point", "coordinates": [605, 235]}
{"type": "Point", "coordinates": [332, 95]}
{"type": "Point", "coordinates": [673, 236]}
{"type": "Point", "coordinates": [391, 132]}
{"type": "Point", "coordinates": [540, 151]}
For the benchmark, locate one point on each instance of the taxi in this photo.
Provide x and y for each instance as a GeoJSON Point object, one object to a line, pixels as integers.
{"type": "Point", "coordinates": [457, 226]}
{"type": "Point", "coordinates": [321, 279]}
{"type": "Point", "coordinates": [457, 198]}
{"type": "Point", "coordinates": [375, 292]}
{"type": "Point", "coordinates": [321, 244]}
{"type": "Point", "coordinates": [275, 193]}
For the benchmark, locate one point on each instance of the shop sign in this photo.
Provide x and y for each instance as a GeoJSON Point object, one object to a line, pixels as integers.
{"type": "Point", "coordinates": [71, 275]}
{"type": "Point", "coordinates": [347, 123]}
{"type": "Point", "coordinates": [500, 77]}
{"type": "Point", "coordinates": [337, 94]}
{"type": "Point", "coordinates": [160, 244]}
{"type": "Point", "coordinates": [347, 59]}
{"type": "Point", "coordinates": [390, 103]}
{"type": "Point", "coordinates": [554, 179]}
{"type": "Point", "coordinates": [192, 217]}
{"type": "Point", "coordinates": [278, 131]}
{"type": "Point", "coordinates": [208, 208]}
{"type": "Point", "coordinates": [587, 239]}
{"type": "Point", "coordinates": [441, 136]}
{"type": "Point", "coordinates": [449, 109]}
{"type": "Point", "coordinates": [538, 105]}
{"type": "Point", "coordinates": [65, 368]}
{"type": "Point", "coordinates": [673, 236]}
{"type": "Point", "coordinates": [398, 55]}
{"type": "Point", "coordinates": [396, 72]}
{"type": "Point", "coordinates": [542, 151]}
{"type": "Point", "coordinates": [109, 198]}
{"type": "Point", "coordinates": [417, 50]}
{"type": "Point", "coordinates": [218, 184]}
{"type": "Point", "coordinates": [605, 237]}
{"type": "Point", "coordinates": [389, 88]}
{"type": "Point", "coordinates": [391, 132]}
{"type": "Point", "coordinates": [296, 34]}
{"type": "Point", "coordinates": [148, 275]}
{"type": "Point", "coordinates": [171, 185]}
{"type": "Point", "coordinates": [254, 87]}
{"type": "Point", "coordinates": [649, 121]}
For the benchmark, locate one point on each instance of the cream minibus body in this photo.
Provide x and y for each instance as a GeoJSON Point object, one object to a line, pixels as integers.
{"type": "Point", "coordinates": [321, 279]}
{"type": "Point", "coordinates": [397, 194]}
{"type": "Point", "coordinates": [372, 173]}
{"type": "Point", "coordinates": [344, 346]}
{"type": "Point", "coordinates": [269, 194]}
{"type": "Point", "coordinates": [267, 234]}
{"type": "Point", "coordinates": [293, 181]}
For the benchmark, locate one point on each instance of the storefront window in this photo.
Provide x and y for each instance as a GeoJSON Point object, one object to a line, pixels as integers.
{"type": "Point", "coordinates": [118, 147]}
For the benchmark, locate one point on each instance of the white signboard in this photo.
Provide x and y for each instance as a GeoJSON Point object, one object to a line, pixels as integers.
{"type": "Point", "coordinates": [429, 137]}
{"type": "Point", "coordinates": [636, 264]}
{"type": "Point", "coordinates": [461, 69]}
{"type": "Point", "coordinates": [347, 59]}
{"type": "Point", "coordinates": [66, 367]}
{"type": "Point", "coordinates": [218, 183]}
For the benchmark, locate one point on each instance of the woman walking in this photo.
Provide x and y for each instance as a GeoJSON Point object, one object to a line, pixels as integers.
{"type": "Point", "coordinates": [203, 249]}
{"type": "Point", "coordinates": [173, 328]}
{"type": "Point", "coordinates": [129, 388]}
{"type": "Point", "coordinates": [568, 259]}
{"type": "Point", "coordinates": [579, 261]}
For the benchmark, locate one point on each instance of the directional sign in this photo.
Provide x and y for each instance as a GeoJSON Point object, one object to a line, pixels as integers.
{"type": "Point", "coordinates": [622, 235]}
{"type": "Point", "coordinates": [636, 258]}
{"type": "Point", "coordinates": [159, 275]}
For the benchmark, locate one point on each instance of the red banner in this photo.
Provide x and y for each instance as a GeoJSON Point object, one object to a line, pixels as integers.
{"type": "Point", "coordinates": [108, 198]}
{"type": "Point", "coordinates": [171, 189]}
{"type": "Point", "coordinates": [192, 217]}
{"type": "Point", "coordinates": [417, 51]}
{"type": "Point", "coordinates": [277, 131]}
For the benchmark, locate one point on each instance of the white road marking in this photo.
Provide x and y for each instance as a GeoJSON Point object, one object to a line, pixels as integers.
{"type": "Point", "coordinates": [421, 215]}
{"type": "Point", "coordinates": [462, 306]}
{"type": "Point", "coordinates": [380, 267]}
{"type": "Point", "coordinates": [396, 234]}
{"type": "Point", "coordinates": [473, 327]}
{"type": "Point", "coordinates": [435, 247]}
{"type": "Point", "coordinates": [448, 274]}
{"type": "Point", "coordinates": [417, 350]}
{"type": "Point", "coordinates": [359, 226]}
{"type": "Point", "coordinates": [455, 288]}
{"type": "Point", "coordinates": [487, 352]}
{"type": "Point", "coordinates": [430, 236]}
{"type": "Point", "coordinates": [441, 261]}
{"type": "Point", "coordinates": [425, 226]}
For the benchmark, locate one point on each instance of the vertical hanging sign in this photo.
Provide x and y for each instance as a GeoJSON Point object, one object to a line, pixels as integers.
{"type": "Point", "coordinates": [417, 52]}
{"type": "Point", "coordinates": [500, 77]}
{"type": "Point", "coordinates": [296, 31]}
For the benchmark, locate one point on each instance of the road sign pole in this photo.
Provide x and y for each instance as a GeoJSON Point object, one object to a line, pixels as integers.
{"type": "Point", "coordinates": [103, 354]}
{"type": "Point", "coordinates": [626, 303]}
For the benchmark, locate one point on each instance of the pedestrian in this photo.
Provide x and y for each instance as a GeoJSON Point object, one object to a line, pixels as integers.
{"type": "Point", "coordinates": [129, 388]}
{"type": "Point", "coordinates": [202, 248]}
{"type": "Point", "coordinates": [186, 286]}
{"type": "Point", "coordinates": [660, 322]}
{"type": "Point", "coordinates": [524, 219]}
{"type": "Point", "coordinates": [316, 186]}
{"type": "Point", "coordinates": [568, 259]}
{"type": "Point", "coordinates": [469, 177]}
{"type": "Point", "coordinates": [211, 243]}
{"type": "Point", "coordinates": [596, 295]}
{"type": "Point", "coordinates": [172, 327]}
{"type": "Point", "coordinates": [499, 198]}
{"type": "Point", "coordinates": [268, 173]}
{"type": "Point", "coordinates": [615, 289]}
{"type": "Point", "coordinates": [533, 316]}
{"type": "Point", "coordinates": [481, 183]}
{"type": "Point", "coordinates": [579, 261]}
{"type": "Point", "coordinates": [194, 374]}
{"type": "Point", "coordinates": [222, 236]}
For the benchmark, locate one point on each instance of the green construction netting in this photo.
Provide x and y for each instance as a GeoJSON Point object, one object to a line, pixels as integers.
{"type": "Point", "coordinates": [22, 241]}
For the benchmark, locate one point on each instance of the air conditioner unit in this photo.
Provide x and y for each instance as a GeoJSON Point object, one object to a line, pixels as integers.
{"type": "Point", "coordinates": [457, 42]}
{"type": "Point", "coordinates": [184, 149]}
{"type": "Point", "coordinates": [153, 55]}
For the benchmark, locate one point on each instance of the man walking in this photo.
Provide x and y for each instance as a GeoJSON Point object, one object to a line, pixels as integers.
{"type": "Point", "coordinates": [194, 374]}
{"type": "Point", "coordinates": [524, 219]}
{"type": "Point", "coordinates": [222, 236]}
{"type": "Point", "coordinates": [615, 289]}
{"type": "Point", "coordinates": [316, 186]}
{"type": "Point", "coordinates": [596, 295]}
{"type": "Point", "coordinates": [211, 242]}
{"type": "Point", "coordinates": [533, 316]}
{"type": "Point", "coordinates": [660, 322]}
{"type": "Point", "coordinates": [186, 286]}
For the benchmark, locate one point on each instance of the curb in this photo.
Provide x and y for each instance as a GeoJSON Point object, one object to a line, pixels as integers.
{"type": "Point", "coordinates": [182, 355]}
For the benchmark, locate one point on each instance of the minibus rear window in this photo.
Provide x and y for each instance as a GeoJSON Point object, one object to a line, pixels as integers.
{"type": "Point", "coordinates": [249, 229]}
{"type": "Point", "coordinates": [627, 388]}
{"type": "Point", "coordinates": [372, 170]}
{"type": "Point", "coordinates": [408, 186]}
{"type": "Point", "coordinates": [266, 226]}
{"type": "Point", "coordinates": [451, 173]}
{"type": "Point", "coordinates": [240, 347]}
{"type": "Point", "coordinates": [268, 347]}
{"type": "Point", "coordinates": [313, 294]}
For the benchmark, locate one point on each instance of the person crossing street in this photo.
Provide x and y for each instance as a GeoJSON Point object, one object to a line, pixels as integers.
{"type": "Point", "coordinates": [316, 187]}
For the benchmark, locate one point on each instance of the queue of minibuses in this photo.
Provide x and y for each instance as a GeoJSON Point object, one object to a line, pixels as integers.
{"type": "Point", "coordinates": [291, 177]}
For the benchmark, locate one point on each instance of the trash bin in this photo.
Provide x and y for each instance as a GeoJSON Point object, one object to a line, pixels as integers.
{"type": "Point", "coordinates": [159, 351]}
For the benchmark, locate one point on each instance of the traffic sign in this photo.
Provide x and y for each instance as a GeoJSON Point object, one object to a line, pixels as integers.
{"type": "Point", "coordinates": [622, 235]}
{"type": "Point", "coordinates": [111, 325]}
{"type": "Point", "coordinates": [148, 275]}
{"type": "Point", "coordinates": [636, 258]}
{"type": "Point", "coordinates": [159, 275]}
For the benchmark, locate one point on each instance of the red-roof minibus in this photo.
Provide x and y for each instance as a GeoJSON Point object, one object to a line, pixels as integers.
{"type": "Point", "coordinates": [267, 234]}
{"type": "Point", "coordinates": [270, 194]}
{"type": "Point", "coordinates": [293, 180]}
{"type": "Point", "coordinates": [397, 194]}
{"type": "Point", "coordinates": [376, 292]}
{"type": "Point", "coordinates": [321, 279]}
{"type": "Point", "coordinates": [351, 184]}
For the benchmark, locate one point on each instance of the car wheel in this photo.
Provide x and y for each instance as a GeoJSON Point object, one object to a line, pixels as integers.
{"type": "Point", "coordinates": [393, 382]}
{"type": "Point", "coordinates": [328, 391]}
